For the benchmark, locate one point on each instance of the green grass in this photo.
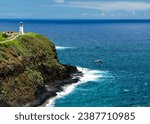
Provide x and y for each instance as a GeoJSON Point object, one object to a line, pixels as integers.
{"type": "Point", "coordinates": [28, 45]}
{"type": "Point", "coordinates": [1, 37]}
{"type": "Point", "coordinates": [4, 36]}
{"type": "Point", "coordinates": [28, 62]}
{"type": "Point", "coordinates": [24, 86]}
{"type": "Point", "coordinates": [31, 34]}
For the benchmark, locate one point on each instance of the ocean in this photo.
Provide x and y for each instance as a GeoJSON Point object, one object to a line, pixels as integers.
{"type": "Point", "coordinates": [123, 46]}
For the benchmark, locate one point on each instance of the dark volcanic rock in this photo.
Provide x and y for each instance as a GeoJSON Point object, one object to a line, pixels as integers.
{"type": "Point", "coordinates": [30, 71]}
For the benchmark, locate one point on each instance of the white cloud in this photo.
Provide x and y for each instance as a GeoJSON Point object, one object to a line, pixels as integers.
{"type": "Point", "coordinates": [109, 6]}
{"type": "Point", "coordinates": [59, 1]}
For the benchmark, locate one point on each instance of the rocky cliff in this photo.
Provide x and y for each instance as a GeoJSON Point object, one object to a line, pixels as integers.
{"type": "Point", "coordinates": [30, 71]}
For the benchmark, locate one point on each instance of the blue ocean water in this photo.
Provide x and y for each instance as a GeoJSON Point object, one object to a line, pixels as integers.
{"type": "Point", "coordinates": [123, 79]}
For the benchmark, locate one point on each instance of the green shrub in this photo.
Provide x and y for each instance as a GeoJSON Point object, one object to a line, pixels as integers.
{"type": "Point", "coordinates": [5, 35]}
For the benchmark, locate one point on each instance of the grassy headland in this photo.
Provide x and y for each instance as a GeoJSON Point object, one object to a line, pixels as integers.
{"type": "Point", "coordinates": [27, 64]}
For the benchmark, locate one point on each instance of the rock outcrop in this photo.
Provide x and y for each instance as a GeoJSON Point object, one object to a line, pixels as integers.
{"type": "Point", "coordinates": [30, 71]}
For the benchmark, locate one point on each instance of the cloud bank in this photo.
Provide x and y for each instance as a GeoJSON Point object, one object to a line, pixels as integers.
{"type": "Point", "coordinates": [59, 1]}
{"type": "Point", "coordinates": [110, 6]}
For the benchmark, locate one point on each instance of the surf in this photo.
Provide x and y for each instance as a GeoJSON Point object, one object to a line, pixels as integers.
{"type": "Point", "coordinates": [88, 75]}
{"type": "Point", "coordinates": [63, 48]}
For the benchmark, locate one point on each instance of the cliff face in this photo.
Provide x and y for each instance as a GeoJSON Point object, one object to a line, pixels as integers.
{"type": "Point", "coordinates": [29, 67]}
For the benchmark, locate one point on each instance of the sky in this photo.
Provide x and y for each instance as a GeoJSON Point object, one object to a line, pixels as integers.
{"type": "Point", "coordinates": [74, 9]}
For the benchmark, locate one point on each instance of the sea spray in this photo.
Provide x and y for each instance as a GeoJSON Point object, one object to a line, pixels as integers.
{"type": "Point", "coordinates": [63, 48]}
{"type": "Point", "coordinates": [88, 75]}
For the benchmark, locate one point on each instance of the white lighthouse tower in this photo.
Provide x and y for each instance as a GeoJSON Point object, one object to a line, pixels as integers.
{"type": "Point", "coordinates": [21, 30]}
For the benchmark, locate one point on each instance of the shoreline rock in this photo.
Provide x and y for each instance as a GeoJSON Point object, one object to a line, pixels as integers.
{"type": "Point", "coordinates": [50, 92]}
{"type": "Point", "coordinates": [30, 72]}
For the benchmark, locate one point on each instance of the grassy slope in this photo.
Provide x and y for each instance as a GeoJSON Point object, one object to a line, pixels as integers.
{"type": "Point", "coordinates": [21, 88]}
{"type": "Point", "coordinates": [1, 37]}
{"type": "Point", "coordinates": [26, 45]}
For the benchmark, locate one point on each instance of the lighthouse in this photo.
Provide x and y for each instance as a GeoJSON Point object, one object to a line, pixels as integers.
{"type": "Point", "coordinates": [21, 30]}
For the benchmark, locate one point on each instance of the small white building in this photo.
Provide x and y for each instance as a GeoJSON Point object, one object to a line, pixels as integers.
{"type": "Point", "coordinates": [21, 30]}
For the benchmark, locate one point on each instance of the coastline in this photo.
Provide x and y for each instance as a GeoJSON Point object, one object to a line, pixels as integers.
{"type": "Point", "coordinates": [87, 75]}
{"type": "Point", "coordinates": [50, 92]}
{"type": "Point", "coordinates": [29, 64]}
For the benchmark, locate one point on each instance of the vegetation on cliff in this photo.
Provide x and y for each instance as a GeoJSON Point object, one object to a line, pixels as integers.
{"type": "Point", "coordinates": [2, 36]}
{"type": "Point", "coordinates": [27, 64]}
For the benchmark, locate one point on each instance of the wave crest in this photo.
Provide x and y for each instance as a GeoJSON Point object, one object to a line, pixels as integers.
{"type": "Point", "coordinates": [88, 75]}
{"type": "Point", "coordinates": [63, 48]}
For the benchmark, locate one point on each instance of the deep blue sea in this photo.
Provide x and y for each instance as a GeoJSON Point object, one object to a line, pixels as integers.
{"type": "Point", "coordinates": [122, 80]}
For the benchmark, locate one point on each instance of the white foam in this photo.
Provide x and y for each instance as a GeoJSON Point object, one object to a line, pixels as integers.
{"type": "Point", "coordinates": [88, 75]}
{"type": "Point", "coordinates": [62, 48]}
{"type": "Point", "coordinates": [66, 90]}
{"type": "Point", "coordinates": [126, 90]}
{"type": "Point", "coordinates": [145, 84]}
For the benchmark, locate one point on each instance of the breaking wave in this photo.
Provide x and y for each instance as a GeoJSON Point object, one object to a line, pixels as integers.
{"type": "Point", "coordinates": [88, 75]}
{"type": "Point", "coordinates": [63, 48]}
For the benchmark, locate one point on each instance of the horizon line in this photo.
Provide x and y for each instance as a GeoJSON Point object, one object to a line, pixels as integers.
{"type": "Point", "coordinates": [77, 20]}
